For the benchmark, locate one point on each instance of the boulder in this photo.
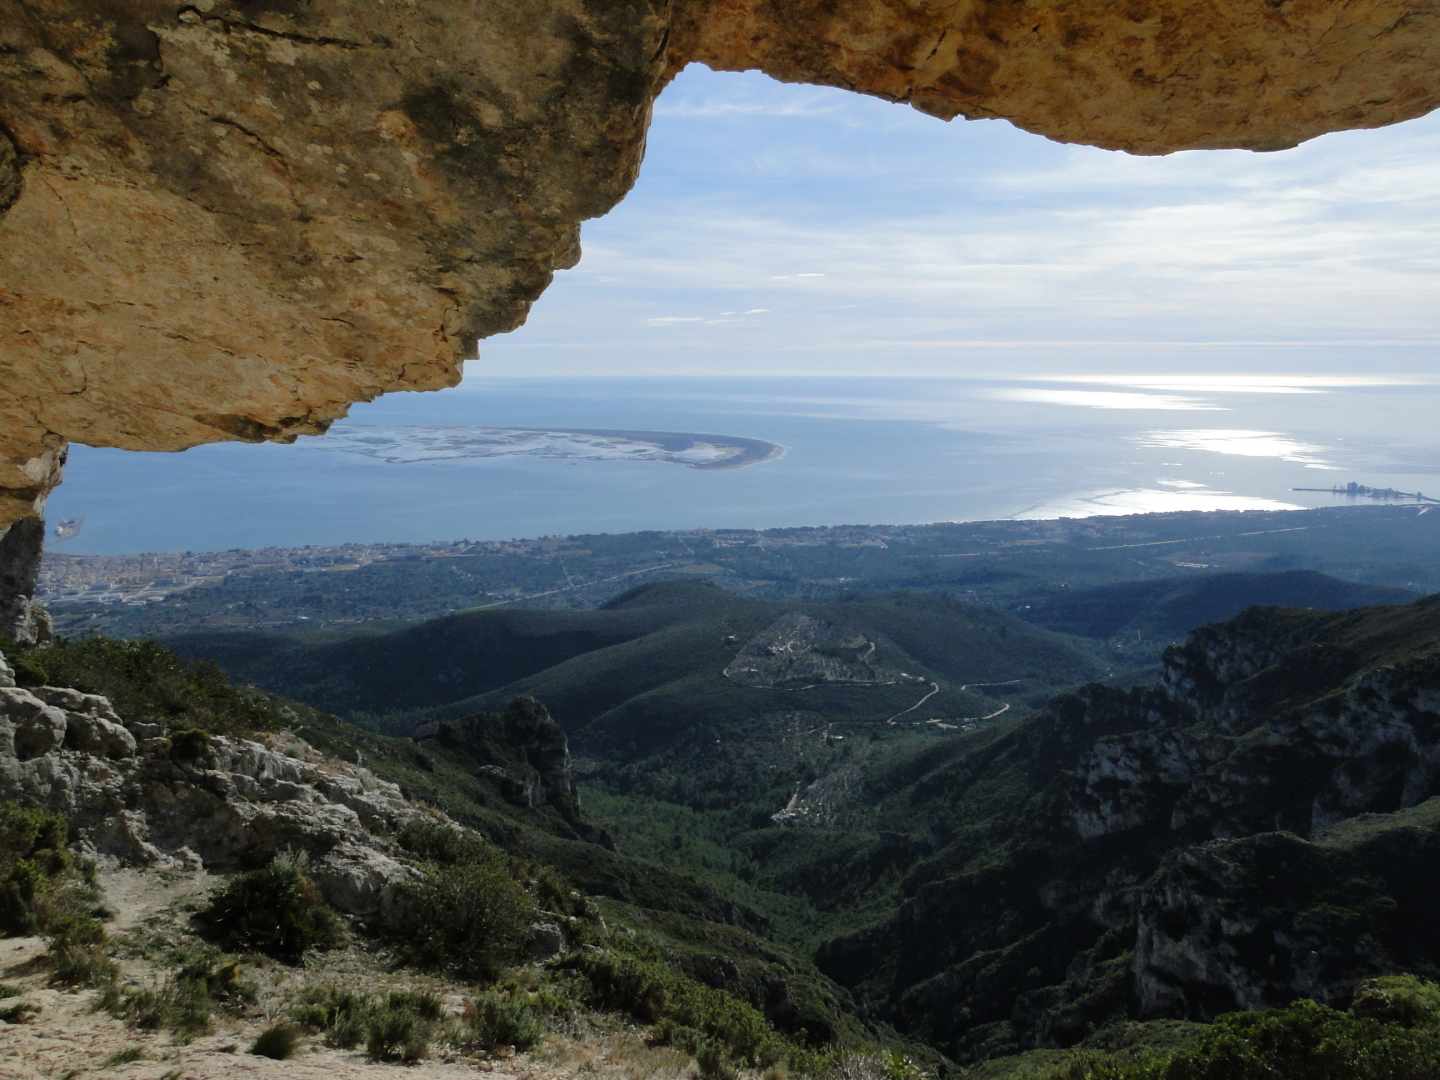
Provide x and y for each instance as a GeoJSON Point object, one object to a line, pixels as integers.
{"type": "Point", "coordinates": [31, 727]}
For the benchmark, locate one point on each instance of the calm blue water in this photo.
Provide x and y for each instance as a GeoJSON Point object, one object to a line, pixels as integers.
{"type": "Point", "coordinates": [857, 451]}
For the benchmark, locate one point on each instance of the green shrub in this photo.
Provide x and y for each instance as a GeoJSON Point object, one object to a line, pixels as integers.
{"type": "Point", "coordinates": [494, 1019]}
{"type": "Point", "coordinates": [436, 842]}
{"type": "Point", "coordinates": [469, 919]}
{"type": "Point", "coordinates": [40, 881]}
{"type": "Point", "coordinates": [277, 1042]}
{"type": "Point", "coordinates": [340, 1014]}
{"type": "Point", "coordinates": [397, 1027]}
{"type": "Point", "coordinates": [1311, 1041]}
{"type": "Point", "coordinates": [400, 1028]}
{"type": "Point", "coordinates": [1398, 999]}
{"type": "Point", "coordinates": [1305, 1041]}
{"type": "Point", "coordinates": [276, 910]}
{"type": "Point", "coordinates": [653, 992]}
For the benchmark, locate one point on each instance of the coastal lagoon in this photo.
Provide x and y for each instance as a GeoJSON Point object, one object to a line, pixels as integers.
{"type": "Point", "coordinates": [506, 458]}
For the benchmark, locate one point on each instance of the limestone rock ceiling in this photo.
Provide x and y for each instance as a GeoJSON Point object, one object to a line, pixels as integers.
{"type": "Point", "coordinates": [230, 219]}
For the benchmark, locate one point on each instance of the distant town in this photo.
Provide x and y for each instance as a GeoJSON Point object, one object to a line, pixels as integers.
{"type": "Point", "coordinates": [995, 562]}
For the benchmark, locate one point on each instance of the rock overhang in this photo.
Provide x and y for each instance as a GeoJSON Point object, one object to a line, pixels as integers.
{"type": "Point", "coordinates": [231, 219]}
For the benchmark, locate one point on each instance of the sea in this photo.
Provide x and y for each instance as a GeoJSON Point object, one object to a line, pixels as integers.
{"type": "Point", "coordinates": [855, 451]}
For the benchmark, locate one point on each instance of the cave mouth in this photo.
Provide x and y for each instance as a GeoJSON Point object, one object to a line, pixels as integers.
{"type": "Point", "coordinates": [784, 232]}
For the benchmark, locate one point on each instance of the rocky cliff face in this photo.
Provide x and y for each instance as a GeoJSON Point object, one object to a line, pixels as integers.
{"type": "Point", "coordinates": [229, 219]}
{"type": "Point", "coordinates": [139, 793]}
{"type": "Point", "coordinates": [1262, 827]}
{"type": "Point", "coordinates": [521, 752]}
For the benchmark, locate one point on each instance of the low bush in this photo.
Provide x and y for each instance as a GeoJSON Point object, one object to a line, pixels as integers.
{"type": "Point", "coordinates": [41, 883]}
{"type": "Point", "coordinates": [278, 1042]}
{"type": "Point", "coordinates": [653, 992]}
{"type": "Point", "coordinates": [470, 919]}
{"type": "Point", "coordinates": [339, 1014]}
{"type": "Point", "coordinates": [1304, 1040]}
{"type": "Point", "coordinates": [495, 1019]}
{"type": "Point", "coordinates": [1398, 999]}
{"type": "Point", "coordinates": [276, 910]}
{"type": "Point", "coordinates": [397, 1027]}
{"type": "Point", "coordinates": [439, 843]}
{"type": "Point", "coordinates": [401, 1027]}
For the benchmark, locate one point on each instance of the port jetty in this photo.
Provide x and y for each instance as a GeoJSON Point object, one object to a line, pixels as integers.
{"type": "Point", "coordinates": [1361, 491]}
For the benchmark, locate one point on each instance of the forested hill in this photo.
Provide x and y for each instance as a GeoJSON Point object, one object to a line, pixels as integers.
{"type": "Point", "coordinates": [603, 671]}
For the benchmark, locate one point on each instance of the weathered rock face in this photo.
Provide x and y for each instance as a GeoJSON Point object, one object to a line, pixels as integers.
{"type": "Point", "coordinates": [523, 750]}
{"type": "Point", "coordinates": [133, 796]}
{"type": "Point", "coordinates": [21, 619]}
{"type": "Point", "coordinates": [1140, 76]}
{"type": "Point", "coordinates": [1258, 921]}
{"type": "Point", "coordinates": [229, 219]}
{"type": "Point", "coordinates": [1264, 825]}
{"type": "Point", "coordinates": [235, 217]}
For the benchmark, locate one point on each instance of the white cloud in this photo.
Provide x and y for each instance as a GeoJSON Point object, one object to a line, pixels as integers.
{"type": "Point", "coordinates": [1006, 244]}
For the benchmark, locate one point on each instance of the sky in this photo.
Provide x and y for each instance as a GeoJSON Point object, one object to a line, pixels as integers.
{"type": "Point", "coordinates": [806, 231]}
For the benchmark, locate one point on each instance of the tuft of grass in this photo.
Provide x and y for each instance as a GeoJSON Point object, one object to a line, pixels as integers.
{"type": "Point", "coordinates": [184, 1002]}
{"type": "Point", "coordinates": [277, 910]}
{"type": "Point", "coordinates": [80, 953]}
{"type": "Point", "coordinates": [19, 1013]}
{"type": "Point", "coordinates": [278, 1042]}
{"type": "Point", "coordinates": [128, 1056]}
